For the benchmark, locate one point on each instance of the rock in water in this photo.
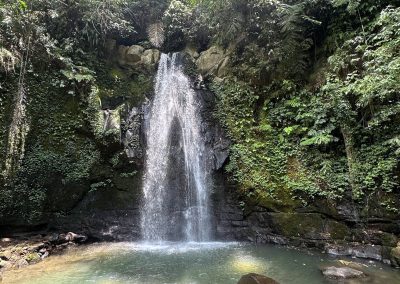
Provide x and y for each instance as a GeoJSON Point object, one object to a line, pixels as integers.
{"type": "Point", "coordinates": [253, 278]}
{"type": "Point", "coordinates": [72, 237]}
{"type": "Point", "coordinates": [341, 272]}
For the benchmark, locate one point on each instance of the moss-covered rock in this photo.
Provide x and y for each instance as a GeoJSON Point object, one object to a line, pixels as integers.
{"type": "Point", "coordinates": [309, 226]}
{"type": "Point", "coordinates": [282, 201]}
{"type": "Point", "coordinates": [32, 257]}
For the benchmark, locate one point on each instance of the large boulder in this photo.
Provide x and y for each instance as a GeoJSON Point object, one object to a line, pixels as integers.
{"type": "Point", "coordinates": [150, 57]}
{"type": "Point", "coordinates": [253, 278]}
{"type": "Point", "coordinates": [134, 53]}
{"type": "Point", "coordinates": [210, 60]}
{"type": "Point", "coordinates": [334, 272]}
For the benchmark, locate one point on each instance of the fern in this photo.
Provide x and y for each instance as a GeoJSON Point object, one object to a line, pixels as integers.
{"type": "Point", "coordinates": [296, 43]}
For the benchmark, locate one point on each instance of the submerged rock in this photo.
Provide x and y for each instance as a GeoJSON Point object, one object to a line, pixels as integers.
{"type": "Point", "coordinates": [253, 278]}
{"type": "Point", "coordinates": [341, 272]}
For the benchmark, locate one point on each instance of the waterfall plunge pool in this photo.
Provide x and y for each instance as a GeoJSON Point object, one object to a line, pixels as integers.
{"type": "Point", "coordinates": [187, 263]}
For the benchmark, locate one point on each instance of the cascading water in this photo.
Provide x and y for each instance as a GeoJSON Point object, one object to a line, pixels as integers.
{"type": "Point", "coordinates": [175, 199]}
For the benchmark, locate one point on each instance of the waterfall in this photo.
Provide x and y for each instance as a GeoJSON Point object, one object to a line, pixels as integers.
{"type": "Point", "coordinates": [175, 185]}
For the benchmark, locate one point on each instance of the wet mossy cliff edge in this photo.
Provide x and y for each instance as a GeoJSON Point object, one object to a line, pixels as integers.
{"type": "Point", "coordinates": [83, 151]}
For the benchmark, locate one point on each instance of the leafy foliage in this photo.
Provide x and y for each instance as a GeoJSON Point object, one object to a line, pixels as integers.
{"type": "Point", "coordinates": [334, 136]}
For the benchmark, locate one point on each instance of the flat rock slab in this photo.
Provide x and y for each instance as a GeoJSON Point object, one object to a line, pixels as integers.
{"type": "Point", "coordinates": [342, 272]}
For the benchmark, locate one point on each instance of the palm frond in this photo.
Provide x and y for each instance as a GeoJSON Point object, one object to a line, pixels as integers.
{"type": "Point", "coordinates": [156, 34]}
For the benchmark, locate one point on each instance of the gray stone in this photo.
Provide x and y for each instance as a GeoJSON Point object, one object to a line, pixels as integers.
{"type": "Point", "coordinates": [341, 272]}
{"type": "Point", "coordinates": [76, 238]}
{"type": "Point", "coordinates": [356, 250]}
{"type": "Point", "coordinates": [21, 263]}
{"type": "Point", "coordinates": [44, 255]}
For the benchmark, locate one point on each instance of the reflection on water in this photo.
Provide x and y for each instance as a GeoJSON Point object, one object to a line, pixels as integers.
{"type": "Point", "coordinates": [195, 263]}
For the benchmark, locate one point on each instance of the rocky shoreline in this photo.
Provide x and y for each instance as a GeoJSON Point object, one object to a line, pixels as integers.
{"type": "Point", "coordinates": [21, 250]}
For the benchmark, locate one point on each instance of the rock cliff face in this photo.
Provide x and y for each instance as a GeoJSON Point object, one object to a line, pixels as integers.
{"type": "Point", "coordinates": [113, 213]}
{"type": "Point", "coordinates": [335, 233]}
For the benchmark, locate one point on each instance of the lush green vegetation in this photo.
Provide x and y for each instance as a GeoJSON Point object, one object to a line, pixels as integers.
{"type": "Point", "coordinates": [322, 120]}
{"type": "Point", "coordinates": [320, 116]}
{"type": "Point", "coordinates": [311, 99]}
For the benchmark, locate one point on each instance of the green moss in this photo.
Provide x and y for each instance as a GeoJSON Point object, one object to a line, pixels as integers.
{"type": "Point", "coordinates": [282, 201]}
{"type": "Point", "coordinates": [297, 225]}
{"type": "Point", "coordinates": [118, 86]}
{"type": "Point", "coordinates": [117, 74]}
{"type": "Point", "coordinates": [32, 257]}
{"type": "Point", "coordinates": [337, 230]}
{"type": "Point", "coordinates": [309, 225]}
